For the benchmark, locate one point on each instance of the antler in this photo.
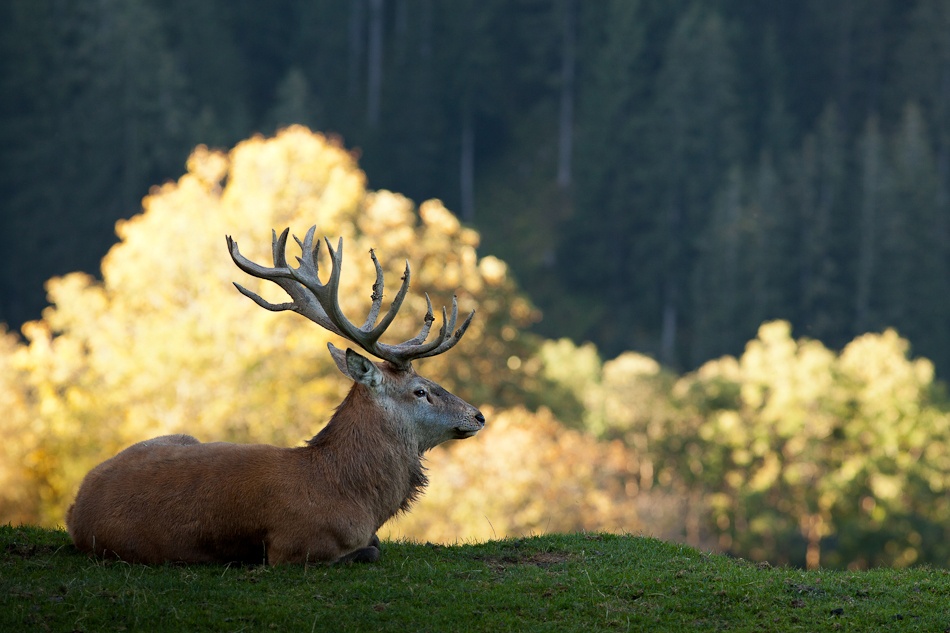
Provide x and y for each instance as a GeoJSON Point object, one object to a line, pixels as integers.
{"type": "Point", "coordinates": [320, 302]}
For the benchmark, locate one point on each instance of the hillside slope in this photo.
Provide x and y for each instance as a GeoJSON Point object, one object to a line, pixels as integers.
{"type": "Point", "coordinates": [564, 583]}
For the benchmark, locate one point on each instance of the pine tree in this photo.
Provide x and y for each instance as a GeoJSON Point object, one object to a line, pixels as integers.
{"type": "Point", "coordinates": [698, 138]}
{"type": "Point", "coordinates": [611, 217]}
{"type": "Point", "coordinates": [917, 285]}
{"type": "Point", "coordinates": [294, 103]}
{"type": "Point", "coordinates": [875, 189]}
{"type": "Point", "coordinates": [819, 186]}
{"type": "Point", "coordinates": [717, 286]}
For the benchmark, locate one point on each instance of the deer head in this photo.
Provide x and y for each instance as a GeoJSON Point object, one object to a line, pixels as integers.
{"type": "Point", "coordinates": [395, 386]}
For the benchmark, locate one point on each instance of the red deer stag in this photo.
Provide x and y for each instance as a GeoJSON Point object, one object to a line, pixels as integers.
{"type": "Point", "coordinates": [174, 498]}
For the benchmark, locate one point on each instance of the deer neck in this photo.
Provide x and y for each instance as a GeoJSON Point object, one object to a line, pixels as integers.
{"type": "Point", "coordinates": [365, 453]}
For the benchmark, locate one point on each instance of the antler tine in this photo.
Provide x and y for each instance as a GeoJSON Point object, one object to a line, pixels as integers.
{"type": "Point", "coordinates": [377, 297]}
{"type": "Point", "coordinates": [329, 294]}
{"type": "Point", "coordinates": [323, 298]}
{"type": "Point", "coordinates": [257, 271]}
{"type": "Point", "coordinates": [278, 247]}
{"type": "Point", "coordinates": [450, 342]}
{"type": "Point", "coordinates": [310, 264]}
{"type": "Point", "coordinates": [394, 307]}
{"type": "Point", "coordinates": [427, 322]}
{"type": "Point", "coordinates": [251, 268]}
{"type": "Point", "coordinates": [414, 347]}
{"type": "Point", "coordinates": [329, 297]}
{"type": "Point", "coordinates": [403, 353]}
{"type": "Point", "coordinates": [264, 303]}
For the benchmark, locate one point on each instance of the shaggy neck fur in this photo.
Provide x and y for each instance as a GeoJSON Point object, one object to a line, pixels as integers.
{"type": "Point", "coordinates": [370, 456]}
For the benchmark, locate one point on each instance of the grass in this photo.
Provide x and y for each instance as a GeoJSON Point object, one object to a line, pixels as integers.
{"type": "Point", "coordinates": [583, 582]}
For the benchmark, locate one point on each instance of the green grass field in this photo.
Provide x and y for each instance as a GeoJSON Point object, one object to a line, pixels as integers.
{"type": "Point", "coordinates": [581, 582]}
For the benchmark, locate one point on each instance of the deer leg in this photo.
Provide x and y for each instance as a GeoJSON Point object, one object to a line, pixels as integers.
{"type": "Point", "coordinates": [368, 554]}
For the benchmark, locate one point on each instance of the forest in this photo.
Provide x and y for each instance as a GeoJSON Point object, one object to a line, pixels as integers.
{"type": "Point", "coordinates": [708, 242]}
{"type": "Point", "coordinates": [661, 176]}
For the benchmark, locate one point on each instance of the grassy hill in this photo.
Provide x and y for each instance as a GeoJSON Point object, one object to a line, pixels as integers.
{"type": "Point", "coordinates": [579, 582]}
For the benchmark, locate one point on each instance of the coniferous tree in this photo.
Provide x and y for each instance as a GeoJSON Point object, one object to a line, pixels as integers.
{"type": "Point", "coordinates": [668, 99]}
{"type": "Point", "coordinates": [716, 280]}
{"type": "Point", "coordinates": [328, 47]}
{"type": "Point", "coordinates": [818, 191]}
{"type": "Point", "coordinates": [28, 114]}
{"type": "Point", "coordinates": [295, 103]}
{"type": "Point", "coordinates": [471, 36]}
{"type": "Point", "coordinates": [698, 138]}
{"type": "Point", "coordinates": [772, 247]}
{"type": "Point", "coordinates": [874, 191]}
{"type": "Point", "coordinates": [566, 107]}
{"type": "Point", "coordinates": [610, 215]}
{"type": "Point", "coordinates": [201, 37]}
{"type": "Point", "coordinates": [916, 271]}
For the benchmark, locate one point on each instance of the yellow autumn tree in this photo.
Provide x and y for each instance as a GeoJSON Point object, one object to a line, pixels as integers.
{"type": "Point", "coordinates": [164, 343]}
{"type": "Point", "coordinates": [20, 432]}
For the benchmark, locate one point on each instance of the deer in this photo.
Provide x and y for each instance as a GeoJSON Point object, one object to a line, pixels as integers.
{"type": "Point", "coordinates": [176, 499]}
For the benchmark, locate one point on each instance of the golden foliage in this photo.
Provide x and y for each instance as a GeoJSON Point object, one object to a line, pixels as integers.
{"type": "Point", "coordinates": [164, 343]}
{"type": "Point", "coordinates": [18, 501]}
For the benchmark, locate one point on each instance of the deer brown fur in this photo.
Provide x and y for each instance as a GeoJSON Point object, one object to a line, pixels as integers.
{"type": "Point", "coordinates": [173, 498]}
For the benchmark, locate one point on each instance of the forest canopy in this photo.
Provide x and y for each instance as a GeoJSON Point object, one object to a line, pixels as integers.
{"type": "Point", "coordinates": [659, 176]}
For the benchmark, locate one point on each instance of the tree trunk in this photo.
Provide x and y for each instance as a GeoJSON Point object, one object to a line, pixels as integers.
{"type": "Point", "coordinates": [566, 125]}
{"type": "Point", "coordinates": [812, 526]}
{"type": "Point", "coordinates": [668, 324]}
{"type": "Point", "coordinates": [867, 250]}
{"type": "Point", "coordinates": [374, 75]}
{"type": "Point", "coordinates": [355, 49]}
{"type": "Point", "coordinates": [467, 167]}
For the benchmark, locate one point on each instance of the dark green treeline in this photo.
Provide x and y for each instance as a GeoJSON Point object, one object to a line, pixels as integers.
{"type": "Point", "coordinates": [662, 175]}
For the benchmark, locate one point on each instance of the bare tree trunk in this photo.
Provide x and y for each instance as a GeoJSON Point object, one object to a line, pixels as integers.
{"type": "Point", "coordinates": [467, 167]}
{"type": "Point", "coordinates": [672, 279]}
{"type": "Point", "coordinates": [812, 526]}
{"type": "Point", "coordinates": [843, 63]}
{"type": "Point", "coordinates": [693, 519]}
{"type": "Point", "coordinates": [374, 75]}
{"type": "Point", "coordinates": [867, 250]}
{"type": "Point", "coordinates": [943, 160]}
{"type": "Point", "coordinates": [566, 131]}
{"type": "Point", "coordinates": [425, 40]}
{"type": "Point", "coordinates": [668, 329]}
{"type": "Point", "coordinates": [355, 51]}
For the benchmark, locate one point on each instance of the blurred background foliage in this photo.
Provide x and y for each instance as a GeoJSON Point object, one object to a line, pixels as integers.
{"type": "Point", "coordinates": [690, 179]}
{"type": "Point", "coordinates": [790, 452]}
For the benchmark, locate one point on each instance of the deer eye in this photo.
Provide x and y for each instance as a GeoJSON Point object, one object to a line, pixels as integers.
{"type": "Point", "coordinates": [419, 393]}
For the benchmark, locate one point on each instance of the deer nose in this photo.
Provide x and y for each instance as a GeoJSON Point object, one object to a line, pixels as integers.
{"type": "Point", "coordinates": [480, 418]}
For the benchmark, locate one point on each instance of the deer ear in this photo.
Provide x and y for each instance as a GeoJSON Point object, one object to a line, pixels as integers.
{"type": "Point", "coordinates": [356, 367]}
{"type": "Point", "coordinates": [339, 357]}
